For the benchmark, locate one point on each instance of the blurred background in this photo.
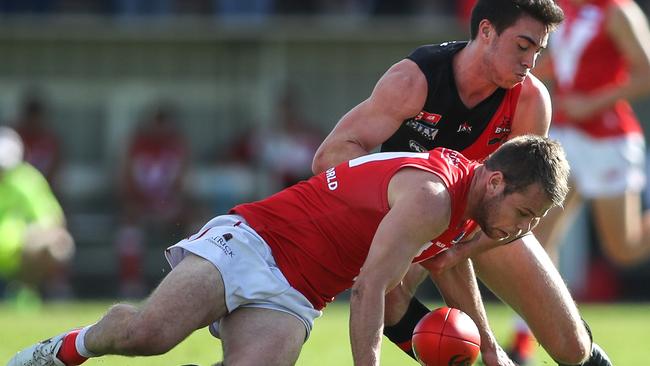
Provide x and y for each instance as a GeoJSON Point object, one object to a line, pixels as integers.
{"type": "Point", "coordinates": [150, 117]}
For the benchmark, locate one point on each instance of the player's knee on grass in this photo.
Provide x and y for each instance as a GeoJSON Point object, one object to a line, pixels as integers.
{"type": "Point", "coordinates": [596, 356]}
{"type": "Point", "coordinates": [402, 332]}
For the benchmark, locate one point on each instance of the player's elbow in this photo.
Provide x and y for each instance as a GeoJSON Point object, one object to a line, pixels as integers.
{"type": "Point", "coordinates": [365, 287]}
{"type": "Point", "coordinates": [319, 164]}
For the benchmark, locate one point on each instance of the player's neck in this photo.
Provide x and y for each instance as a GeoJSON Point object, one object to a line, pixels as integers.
{"type": "Point", "coordinates": [470, 76]}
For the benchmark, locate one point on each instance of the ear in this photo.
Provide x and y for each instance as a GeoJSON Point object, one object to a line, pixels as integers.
{"type": "Point", "coordinates": [485, 30]}
{"type": "Point", "coordinates": [495, 184]}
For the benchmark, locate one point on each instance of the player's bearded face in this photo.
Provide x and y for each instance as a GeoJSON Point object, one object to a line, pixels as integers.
{"type": "Point", "coordinates": [494, 219]}
{"type": "Point", "coordinates": [487, 210]}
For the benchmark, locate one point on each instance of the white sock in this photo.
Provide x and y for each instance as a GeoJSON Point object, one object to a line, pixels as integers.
{"type": "Point", "coordinates": [80, 343]}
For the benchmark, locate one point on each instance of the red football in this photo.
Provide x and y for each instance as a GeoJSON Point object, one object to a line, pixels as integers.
{"type": "Point", "coordinates": [446, 337]}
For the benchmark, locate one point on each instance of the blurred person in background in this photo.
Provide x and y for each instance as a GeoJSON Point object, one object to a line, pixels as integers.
{"type": "Point", "coordinates": [153, 199]}
{"type": "Point", "coordinates": [285, 150]}
{"type": "Point", "coordinates": [34, 242]}
{"type": "Point", "coordinates": [472, 97]}
{"type": "Point", "coordinates": [42, 146]}
{"type": "Point", "coordinates": [599, 60]}
{"type": "Point", "coordinates": [288, 149]}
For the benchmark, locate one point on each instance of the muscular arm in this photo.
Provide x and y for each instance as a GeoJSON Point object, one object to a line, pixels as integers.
{"type": "Point", "coordinates": [420, 210]}
{"type": "Point", "coordinates": [398, 95]}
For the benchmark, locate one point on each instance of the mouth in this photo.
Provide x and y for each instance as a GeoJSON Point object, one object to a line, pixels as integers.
{"type": "Point", "coordinates": [500, 234]}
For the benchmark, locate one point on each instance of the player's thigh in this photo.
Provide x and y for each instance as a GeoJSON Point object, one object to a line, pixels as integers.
{"type": "Point", "coordinates": [258, 336]}
{"type": "Point", "coordinates": [618, 218]}
{"type": "Point", "coordinates": [190, 297]}
{"type": "Point", "coordinates": [523, 276]}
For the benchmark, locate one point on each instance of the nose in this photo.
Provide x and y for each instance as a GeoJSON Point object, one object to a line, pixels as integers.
{"type": "Point", "coordinates": [526, 225]}
{"type": "Point", "coordinates": [529, 60]}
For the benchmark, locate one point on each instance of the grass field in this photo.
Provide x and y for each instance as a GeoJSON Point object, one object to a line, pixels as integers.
{"type": "Point", "coordinates": [623, 330]}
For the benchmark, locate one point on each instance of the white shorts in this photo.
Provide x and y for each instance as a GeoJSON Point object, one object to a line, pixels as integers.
{"type": "Point", "coordinates": [603, 167]}
{"type": "Point", "coordinates": [250, 275]}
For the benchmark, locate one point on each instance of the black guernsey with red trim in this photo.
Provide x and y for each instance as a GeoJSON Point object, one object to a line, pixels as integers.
{"type": "Point", "coordinates": [444, 120]}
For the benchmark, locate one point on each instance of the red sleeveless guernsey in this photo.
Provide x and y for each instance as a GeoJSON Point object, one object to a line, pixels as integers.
{"type": "Point", "coordinates": [586, 60]}
{"type": "Point", "coordinates": [320, 230]}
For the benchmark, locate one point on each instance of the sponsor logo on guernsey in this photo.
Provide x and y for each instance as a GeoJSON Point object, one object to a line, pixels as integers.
{"type": "Point", "coordinates": [415, 146]}
{"type": "Point", "coordinates": [427, 132]}
{"type": "Point", "coordinates": [332, 183]}
{"type": "Point", "coordinates": [464, 127]}
{"type": "Point", "coordinates": [451, 156]}
{"type": "Point", "coordinates": [501, 131]}
{"type": "Point", "coordinates": [429, 118]}
{"type": "Point", "coordinates": [220, 242]}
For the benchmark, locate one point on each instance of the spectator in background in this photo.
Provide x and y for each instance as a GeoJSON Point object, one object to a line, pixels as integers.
{"type": "Point", "coordinates": [34, 242]}
{"type": "Point", "coordinates": [152, 194]}
{"type": "Point", "coordinates": [285, 149]}
{"type": "Point", "coordinates": [42, 147]}
{"type": "Point", "coordinates": [288, 149]}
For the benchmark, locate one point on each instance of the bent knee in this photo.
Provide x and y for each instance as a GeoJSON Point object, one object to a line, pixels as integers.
{"type": "Point", "coordinates": [140, 337]}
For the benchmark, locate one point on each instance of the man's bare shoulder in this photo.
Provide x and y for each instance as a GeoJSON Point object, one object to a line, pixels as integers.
{"type": "Point", "coordinates": [421, 188]}
{"type": "Point", "coordinates": [533, 90]}
{"type": "Point", "coordinates": [405, 75]}
{"type": "Point", "coordinates": [402, 90]}
{"type": "Point", "coordinates": [533, 114]}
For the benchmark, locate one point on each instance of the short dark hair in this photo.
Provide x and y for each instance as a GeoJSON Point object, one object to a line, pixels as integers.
{"type": "Point", "coordinates": [531, 159]}
{"type": "Point", "coordinates": [504, 13]}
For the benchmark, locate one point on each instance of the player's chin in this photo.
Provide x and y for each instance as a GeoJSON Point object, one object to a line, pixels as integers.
{"type": "Point", "coordinates": [511, 83]}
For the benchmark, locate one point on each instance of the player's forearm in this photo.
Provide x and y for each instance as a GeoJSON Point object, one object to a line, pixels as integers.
{"type": "Point", "coordinates": [638, 86]}
{"type": "Point", "coordinates": [460, 290]}
{"type": "Point", "coordinates": [366, 324]}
